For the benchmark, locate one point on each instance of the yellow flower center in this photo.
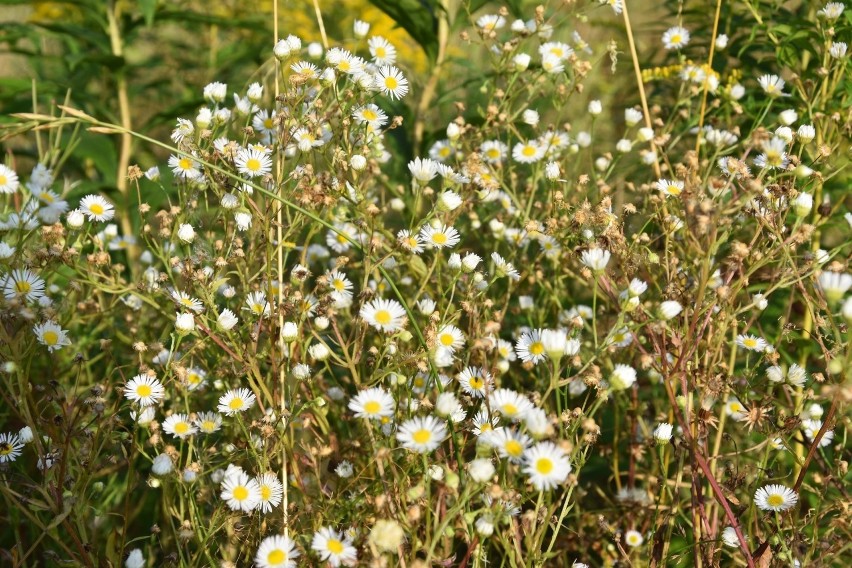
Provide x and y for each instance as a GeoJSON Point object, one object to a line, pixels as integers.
{"type": "Point", "coordinates": [372, 407]}
{"type": "Point", "coordinates": [672, 189]}
{"type": "Point", "coordinates": [338, 285]}
{"type": "Point", "coordinates": [556, 51]}
{"type": "Point", "coordinates": [528, 151]}
{"type": "Point", "coordinates": [675, 38]}
{"type": "Point", "coordinates": [3, 180]}
{"type": "Point", "coordinates": [381, 52]}
{"type": "Point", "coordinates": [50, 337]}
{"type": "Point", "coordinates": [208, 426]}
{"type": "Point", "coordinates": [383, 317]}
{"type": "Point", "coordinates": [96, 208]}
{"type": "Point", "coordinates": [344, 66]}
{"type": "Point", "coordinates": [750, 343]}
{"type": "Point", "coordinates": [181, 428]}
{"type": "Point", "coordinates": [46, 197]}
{"type": "Point", "coordinates": [439, 238]}
{"type": "Point", "coordinates": [267, 123]}
{"type": "Point", "coordinates": [144, 391]}
{"type": "Point", "coordinates": [476, 383]}
{"type": "Point", "coordinates": [509, 409]}
{"type": "Point", "coordinates": [235, 404]}
{"type": "Point", "coordinates": [391, 83]}
{"type": "Point", "coordinates": [513, 448]}
{"type": "Point", "coordinates": [334, 546]}
{"type": "Point", "coordinates": [240, 493]}
{"type": "Point", "coordinates": [265, 492]}
{"type": "Point", "coordinates": [421, 436]}
{"type": "Point", "coordinates": [185, 164]}
{"type": "Point", "coordinates": [544, 465]}
{"type": "Point", "coordinates": [5, 449]}
{"type": "Point", "coordinates": [23, 287]}
{"type": "Point", "coordinates": [253, 165]}
{"type": "Point", "coordinates": [775, 500]}
{"type": "Point", "coordinates": [277, 556]}
{"type": "Point", "coordinates": [447, 339]}
{"type": "Point", "coordinates": [537, 348]}
{"type": "Point", "coordinates": [369, 114]}
{"type": "Point", "coordinates": [493, 153]}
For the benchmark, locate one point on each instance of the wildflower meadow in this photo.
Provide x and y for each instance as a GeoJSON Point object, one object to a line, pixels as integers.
{"type": "Point", "coordinates": [425, 283]}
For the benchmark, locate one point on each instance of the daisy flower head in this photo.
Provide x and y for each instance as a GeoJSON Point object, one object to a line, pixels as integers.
{"type": "Point", "coordinates": [490, 22]}
{"type": "Point", "coordinates": [257, 305]}
{"type": "Point", "coordinates": [833, 284]}
{"type": "Point", "coordinates": [370, 115]}
{"type": "Point", "coordinates": [253, 163]}
{"type": "Point", "coordinates": [305, 70]}
{"type": "Point", "coordinates": [675, 37]}
{"type": "Point", "coordinates": [184, 167]}
{"type": "Point", "coordinates": [530, 347]}
{"type": "Point", "coordinates": [775, 498]}
{"type": "Point", "coordinates": [271, 491]}
{"type": "Point", "coordinates": [179, 426]}
{"type": "Point", "coordinates": [556, 48]}
{"type": "Point", "coordinates": [423, 170]}
{"type": "Point", "coordinates": [752, 343]}
{"type": "Point", "coordinates": [493, 151]}
{"type": "Point", "coordinates": [387, 316]}
{"type": "Point", "coordinates": [812, 427]}
{"type": "Point", "coordinates": [276, 551]}
{"type": "Point", "coordinates": [735, 409]}
{"type": "Point", "coordinates": [9, 182]}
{"type": "Point", "coordinates": [374, 403]}
{"type": "Point", "coordinates": [23, 284]}
{"type": "Point", "coordinates": [509, 443]}
{"type": "Point", "coordinates": [831, 11]}
{"type": "Point", "coordinates": [504, 268]}
{"type": "Point", "coordinates": [510, 404]}
{"type": "Point", "coordinates": [96, 208]}
{"type": "Point", "coordinates": [334, 548]}
{"type": "Point", "coordinates": [422, 434]}
{"type": "Point", "coordinates": [145, 390]}
{"type": "Point", "coordinates": [186, 301]}
{"type": "Point", "coordinates": [240, 492]}
{"type": "Point", "coordinates": [236, 400]}
{"type": "Point", "coordinates": [772, 85]}
{"type": "Point", "coordinates": [390, 81]}
{"type": "Point", "coordinates": [551, 64]}
{"type": "Point", "coordinates": [774, 155]}
{"type": "Point", "coordinates": [633, 538]}
{"type": "Point", "coordinates": [476, 381]}
{"type": "Point", "coordinates": [450, 337]}
{"type": "Point", "coordinates": [439, 237]}
{"type": "Point", "coordinates": [10, 447]}
{"type": "Point", "coordinates": [411, 243]}
{"type": "Point", "coordinates": [382, 51]}
{"type": "Point", "coordinates": [51, 335]}
{"type": "Point", "coordinates": [623, 377]}
{"type": "Point", "coordinates": [208, 422]}
{"type": "Point", "coordinates": [528, 152]}
{"type": "Point", "coordinates": [596, 259]}
{"type": "Point", "coordinates": [670, 188]}
{"type": "Point", "coordinates": [546, 465]}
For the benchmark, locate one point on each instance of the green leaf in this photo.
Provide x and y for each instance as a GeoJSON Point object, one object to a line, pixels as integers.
{"type": "Point", "coordinates": [418, 18]}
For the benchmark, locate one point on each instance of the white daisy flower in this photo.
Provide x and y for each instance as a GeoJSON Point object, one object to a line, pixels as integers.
{"type": "Point", "coordinates": [411, 243]}
{"type": "Point", "coordinates": [530, 347]}
{"type": "Point", "coordinates": [546, 465]}
{"type": "Point", "coordinates": [387, 316]}
{"type": "Point", "coordinates": [450, 337]}
{"type": "Point", "coordinates": [271, 491]}
{"type": "Point", "coordinates": [334, 548]}
{"type": "Point", "coordinates": [371, 115]}
{"type": "Point", "coordinates": [633, 538]}
{"type": "Point", "coordinates": [775, 498]}
{"type": "Point", "coordinates": [236, 400]}
{"type": "Point", "coordinates": [96, 208]}
{"type": "Point", "coordinates": [422, 434]}
{"type": "Point", "coordinates": [253, 163]}
{"type": "Point", "coordinates": [752, 343]}
{"type": "Point", "coordinates": [208, 422]}
{"type": "Point", "coordinates": [528, 152]}
{"type": "Point", "coordinates": [493, 151]}
{"type": "Point", "coordinates": [184, 167]}
{"type": "Point", "coordinates": [9, 182]}
{"type": "Point", "coordinates": [439, 237]}
{"type": "Point", "coordinates": [509, 443]}
{"type": "Point", "coordinates": [623, 377]}
{"type": "Point", "coordinates": [179, 426]}
{"type": "Point", "coordinates": [382, 51]}
{"type": "Point", "coordinates": [10, 447]}
{"type": "Point", "coordinates": [510, 404]}
{"type": "Point", "coordinates": [670, 188]}
{"type": "Point", "coordinates": [51, 335]}
{"type": "Point", "coordinates": [476, 381]}
{"type": "Point", "coordinates": [374, 403]}
{"type": "Point", "coordinates": [423, 170]}
{"type": "Point", "coordinates": [596, 259]}
{"type": "Point", "coordinates": [772, 85]}
{"type": "Point", "coordinates": [812, 427]}
{"type": "Point", "coordinates": [390, 81]}
{"type": "Point", "coordinates": [675, 37]}
{"type": "Point", "coordinates": [145, 390]}
{"type": "Point", "coordinates": [257, 305]}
